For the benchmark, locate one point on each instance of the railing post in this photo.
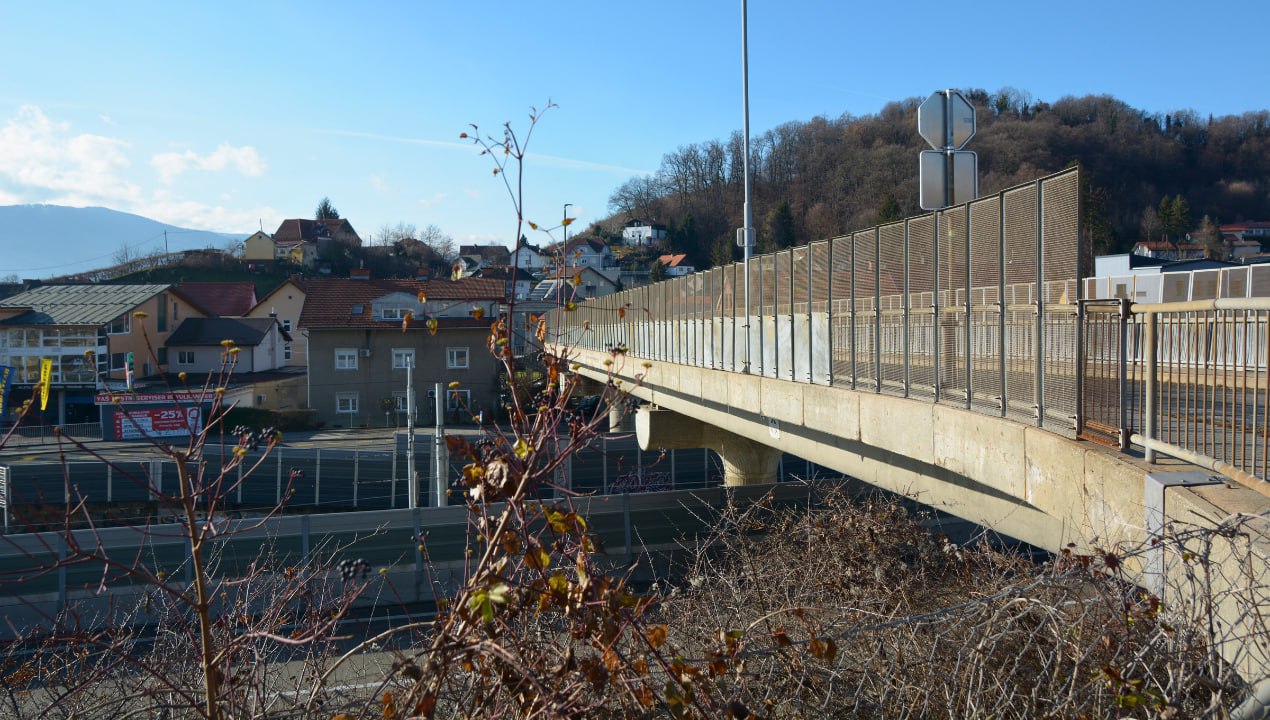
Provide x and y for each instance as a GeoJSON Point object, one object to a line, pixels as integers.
{"type": "Point", "coordinates": [966, 353]}
{"type": "Point", "coordinates": [1149, 358]}
{"type": "Point", "coordinates": [877, 308]}
{"type": "Point", "coordinates": [317, 480]}
{"type": "Point", "coordinates": [908, 322]}
{"type": "Point", "coordinates": [829, 313]}
{"type": "Point", "coordinates": [1123, 422]}
{"type": "Point", "coordinates": [936, 333]}
{"type": "Point", "coordinates": [278, 496]}
{"type": "Point", "coordinates": [1002, 327]}
{"type": "Point", "coordinates": [1040, 305]}
{"type": "Point", "coordinates": [810, 258]}
{"type": "Point", "coordinates": [356, 475]}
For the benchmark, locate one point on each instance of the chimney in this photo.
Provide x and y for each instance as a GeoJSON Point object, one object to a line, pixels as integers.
{"type": "Point", "coordinates": [359, 274]}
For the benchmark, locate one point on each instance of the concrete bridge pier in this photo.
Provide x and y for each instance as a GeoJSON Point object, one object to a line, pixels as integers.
{"type": "Point", "coordinates": [745, 462]}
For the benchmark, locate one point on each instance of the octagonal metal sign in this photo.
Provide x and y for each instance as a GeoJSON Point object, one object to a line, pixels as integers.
{"type": "Point", "coordinates": [946, 119]}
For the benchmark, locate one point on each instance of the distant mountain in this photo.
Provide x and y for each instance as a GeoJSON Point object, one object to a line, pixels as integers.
{"type": "Point", "coordinates": [42, 241]}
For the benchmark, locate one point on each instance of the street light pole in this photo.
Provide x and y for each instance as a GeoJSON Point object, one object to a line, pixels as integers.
{"type": "Point", "coordinates": [745, 236]}
{"type": "Point", "coordinates": [564, 215]}
{"type": "Point", "coordinates": [412, 480]}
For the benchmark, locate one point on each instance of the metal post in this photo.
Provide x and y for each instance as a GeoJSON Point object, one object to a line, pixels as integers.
{"type": "Point", "coordinates": [356, 476]}
{"type": "Point", "coordinates": [304, 538]}
{"type": "Point", "coordinates": [240, 483]}
{"type": "Point", "coordinates": [829, 344]}
{"type": "Point", "coordinates": [966, 354]}
{"type": "Point", "coordinates": [811, 317]}
{"type": "Point", "coordinates": [855, 373]}
{"type": "Point", "coordinates": [61, 573]}
{"type": "Point", "coordinates": [747, 230]}
{"type": "Point", "coordinates": [877, 307]}
{"type": "Point", "coordinates": [1001, 305]}
{"type": "Point", "coordinates": [626, 526]}
{"type": "Point", "coordinates": [604, 466]}
{"type": "Point", "coordinates": [412, 478]}
{"type": "Point", "coordinates": [673, 475]}
{"type": "Point", "coordinates": [1149, 357]}
{"type": "Point", "coordinates": [937, 334]}
{"type": "Point", "coordinates": [439, 454]}
{"type": "Point", "coordinates": [317, 477]}
{"type": "Point", "coordinates": [1123, 424]}
{"type": "Point", "coordinates": [392, 483]}
{"type": "Point", "coordinates": [1040, 305]}
{"type": "Point", "coordinates": [278, 494]}
{"type": "Point", "coordinates": [416, 525]}
{"type": "Point", "coordinates": [908, 320]}
{"type": "Point", "coordinates": [110, 491]}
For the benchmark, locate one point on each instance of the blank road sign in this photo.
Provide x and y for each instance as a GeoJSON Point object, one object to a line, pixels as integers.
{"type": "Point", "coordinates": [934, 178]}
{"type": "Point", "coordinates": [933, 120]}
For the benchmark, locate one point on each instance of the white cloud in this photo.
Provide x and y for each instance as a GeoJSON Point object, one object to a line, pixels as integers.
{"type": "Point", "coordinates": [434, 200]}
{"type": "Point", "coordinates": [47, 163]}
{"type": "Point", "coordinates": [379, 184]}
{"type": "Point", "coordinates": [201, 216]}
{"type": "Point", "coordinates": [244, 159]}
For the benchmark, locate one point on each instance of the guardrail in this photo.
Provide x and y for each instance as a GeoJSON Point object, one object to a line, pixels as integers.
{"type": "Point", "coordinates": [628, 525]}
{"type": "Point", "coordinates": [1185, 379]}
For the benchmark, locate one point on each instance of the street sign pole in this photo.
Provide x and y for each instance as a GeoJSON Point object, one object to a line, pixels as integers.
{"type": "Point", "coordinates": [949, 175]}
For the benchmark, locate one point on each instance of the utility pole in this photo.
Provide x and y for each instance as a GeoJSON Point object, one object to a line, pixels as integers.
{"type": "Point", "coordinates": [565, 216]}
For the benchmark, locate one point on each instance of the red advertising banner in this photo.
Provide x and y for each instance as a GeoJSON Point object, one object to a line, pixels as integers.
{"type": "Point", "coordinates": [157, 422]}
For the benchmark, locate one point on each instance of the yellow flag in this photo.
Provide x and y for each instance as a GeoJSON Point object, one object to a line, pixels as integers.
{"type": "Point", "coordinates": [46, 376]}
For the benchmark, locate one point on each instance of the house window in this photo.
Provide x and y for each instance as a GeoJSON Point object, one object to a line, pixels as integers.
{"type": "Point", "coordinates": [121, 325]}
{"type": "Point", "coordinates": [403, 358]}
{"type": "Point", "coordinates": [286, 325]}
{"type": "Point", "coordinates": [399, 402]}
{"type": "Point", "coordinates": [392, 313]}
{"type": "Point", "coordinates": [345, 358]}
{"type": "Point", "coordinates": [163, 356]}
{"type": "Point", "coordinates": [117, 361]}
{"type": "Point", "coordinates": [458, 399]}
{"type": "Point", "coordinates": [456, 358]}
{"type": "Point", "coordinates": [286, 351]}
{"type": "Point", "coordinates": [184, 357]}
{"type": "Point", "coordinates": [346, 402]}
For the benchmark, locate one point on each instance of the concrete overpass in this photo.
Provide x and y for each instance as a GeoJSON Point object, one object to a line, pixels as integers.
{"type": "Point", "coordinates": [949, 357]}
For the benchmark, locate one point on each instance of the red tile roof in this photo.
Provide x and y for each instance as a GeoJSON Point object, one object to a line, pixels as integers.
{"type": "Point", "coordinates": [329, 302]}
{"type": "Point", "coordinates": [672, 260]}
{"type": "Point", "coordinates": [218, 299]}
{"type": "Point", "coordinates": [296, 229]}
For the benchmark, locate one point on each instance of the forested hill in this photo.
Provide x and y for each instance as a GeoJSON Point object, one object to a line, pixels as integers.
{"type": "Point", "coordinates": [823, 177]}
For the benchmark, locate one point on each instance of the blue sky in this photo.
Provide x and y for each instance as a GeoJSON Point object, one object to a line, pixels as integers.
{"type": "Point", "coordinates": [233, 115]}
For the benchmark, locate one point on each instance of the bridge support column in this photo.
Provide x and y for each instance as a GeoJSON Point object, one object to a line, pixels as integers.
{"type": "Point", "coordinates": [745, 462]}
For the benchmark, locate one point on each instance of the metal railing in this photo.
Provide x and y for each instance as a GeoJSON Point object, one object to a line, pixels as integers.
{"type": "Point", "coordinates": [977, 306]}
{"type": "Point", "coordinates": [974, 306]}
{"type": "Point", "coordinates": [1186, 379]}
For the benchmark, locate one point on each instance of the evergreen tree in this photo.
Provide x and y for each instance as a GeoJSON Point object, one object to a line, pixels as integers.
{"type": "Point", "coordinates": [778, 229]}
{"type": "Point", "coordinates": [890, 210]}
{"type": "Point", "coordinates": [722, 252]}
{"type": "Point", "coordinates": [1210, 236]}
{"type": "Point", "coordinates": [326, 211]}
{"type": "Point", "coordinates": [657, 271]}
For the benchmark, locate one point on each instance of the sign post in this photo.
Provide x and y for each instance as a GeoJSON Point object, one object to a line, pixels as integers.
{"type": "Point", "coordinates": [949, 175]}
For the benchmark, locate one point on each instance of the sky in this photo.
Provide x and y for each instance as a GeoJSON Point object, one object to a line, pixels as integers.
{"type": "Point", "coordinates": [232, 116]}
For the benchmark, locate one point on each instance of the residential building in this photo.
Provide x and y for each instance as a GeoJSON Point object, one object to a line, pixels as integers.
{"type": "Point", "coordinates": [1169, 251]}
{"type": "Point", "coordinates": [364, 336]}
{"type": "Point", "coordinates": [676, 265]}
{"type": "Point", "coordinates": [196, 344]}
{"type": "Point", "coordinates": [591, 252]}
{"type": "Point", "coordinates": [63, 322]}
{"type": "Point", "coordinates": [530, 257]}
{"type": "Point", "coordinates": [303, 239]}
{"type": "Point", "coordinates": [285, 302]}
{"type": "Point", "coordinates": [258, 251]}
{"type": "Point", "coordinates": [638, 233]}
{"type": "Point", "coordinates": [1259, 231]}
{"type": "Point", "coordinates": [486, 255]}
{"type": "Point", "coordinates": [220, 299]}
